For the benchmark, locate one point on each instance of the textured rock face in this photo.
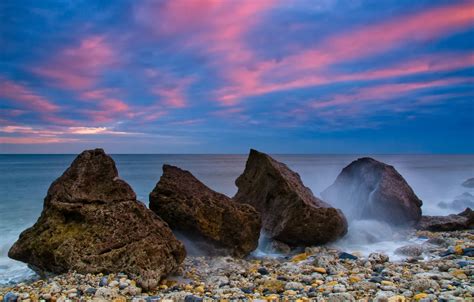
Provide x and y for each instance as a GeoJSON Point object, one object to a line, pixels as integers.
{"type": "Point", "coordinates": [290, 212]}
{"type": "Point", "coordinates": [369, 189]}
{"type": "Point", "coordinates": [453, 222]}
{"type": "Point", "coordinates": [193, 209]}
{"type": "Point", "coordinates": [91, 222]}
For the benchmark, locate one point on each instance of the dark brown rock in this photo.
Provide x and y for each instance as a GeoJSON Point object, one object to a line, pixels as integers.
{"type": "Point", "coordinates": [92, 223]}
{"type": "Point", "coordinates": [290, 212]}
{"type": "Point", "coordinates": [453, 222]}
{"type": "Point", "coordinates": [369, 189]}
{"type": "Point", "coordinates": [196, 211]}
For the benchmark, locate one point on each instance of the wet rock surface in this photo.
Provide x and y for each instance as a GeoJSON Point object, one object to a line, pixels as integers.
{"type": "Point", "coordinates": [92, 223]}
{"type": "Point", "coordinates": [453, 222]}
{"type": "Point", "coordinates": [318, 273]}
{"type": "Point", "coordinates": [290, 212]}
{"type": "Point", "coordinates": [195, 210]}
{"type": "Point", "coordinates": [369, 189]}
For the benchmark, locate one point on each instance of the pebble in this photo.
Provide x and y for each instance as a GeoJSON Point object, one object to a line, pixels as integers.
{"type": "Point", "coordinates": [319, 273]}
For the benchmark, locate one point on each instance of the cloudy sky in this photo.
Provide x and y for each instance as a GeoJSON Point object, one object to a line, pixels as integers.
{"type": "Point", "coordinates": [221, 76]}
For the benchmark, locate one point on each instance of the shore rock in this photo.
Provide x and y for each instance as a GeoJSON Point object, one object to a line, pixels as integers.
{"type": "Point", "coordinates": [92, 223]}
{"type": "Point", "coordinates": [193, 209]}
{"type": "Point", "coordinates": [469, 183]}
{"type": "Point", "coordinates": [290, 212]}
{"type": "Point", "coordinates": [453, 222]}
{"type": "Point", "coordinates": [369, 189]}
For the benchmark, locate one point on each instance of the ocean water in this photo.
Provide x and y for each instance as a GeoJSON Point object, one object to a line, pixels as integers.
{"type": "Point", "coordinates": [24, 180]}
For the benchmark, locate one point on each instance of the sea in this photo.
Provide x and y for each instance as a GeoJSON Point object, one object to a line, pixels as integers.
{"type": "Point", "coordinates": [25, 179]}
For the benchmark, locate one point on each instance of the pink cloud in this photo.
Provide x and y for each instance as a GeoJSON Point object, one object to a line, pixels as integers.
{"type": "Point", "coordinates": [383, 92]}
{"type": "Point", "coordinates": [21, 95]}
{"type": "Point", "coordinates": [172, 96]}
{"type": "Point", "coordinates": [34, 140]}
{"type": "Point", "coordinates": [170, 89]}
{"type": "Point", "coordinates": [310, 67]}
{"type": "Point", "coordinates": [80, 66]}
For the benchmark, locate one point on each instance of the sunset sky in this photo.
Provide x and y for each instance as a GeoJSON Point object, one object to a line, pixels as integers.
{"type": "Point", "coordinates": [223, 76]}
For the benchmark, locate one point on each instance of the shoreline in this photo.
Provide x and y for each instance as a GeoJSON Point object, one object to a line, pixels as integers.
{"type": "Point", "coordinates": [317, 274]}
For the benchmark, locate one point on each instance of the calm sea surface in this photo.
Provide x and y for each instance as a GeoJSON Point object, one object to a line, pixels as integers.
{"type": "Point", "coordinates": [24, 180]}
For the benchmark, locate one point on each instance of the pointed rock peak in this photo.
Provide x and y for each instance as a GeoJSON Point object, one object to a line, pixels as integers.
{"type": "Point", "coordinates": [259, 162]}
{"type": "Point", "coordinates": [92, 177]}
{"type": "Point", "coordinates": [290, 212]}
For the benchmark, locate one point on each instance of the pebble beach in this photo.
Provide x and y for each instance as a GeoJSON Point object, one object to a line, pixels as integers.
{"type": "Point", "coordinates": [440, 269]}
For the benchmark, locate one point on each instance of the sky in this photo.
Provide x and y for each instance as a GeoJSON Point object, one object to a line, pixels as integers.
{"type": "Point", "coordinates": [223, 76]}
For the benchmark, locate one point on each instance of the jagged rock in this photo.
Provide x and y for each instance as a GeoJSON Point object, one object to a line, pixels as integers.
{"type": "Point", "coordinates": [453, 222]}
{"type": "Point", "coordinates": [290, 212]}
{"type": "Point", "coordinates": [369, 189]}
{"type": "Point", "coordinates": [469, 183]}
{"type": "Point", "coordinates": [193, 209]}
{"type": "Point", "coordinates": [92, 223]}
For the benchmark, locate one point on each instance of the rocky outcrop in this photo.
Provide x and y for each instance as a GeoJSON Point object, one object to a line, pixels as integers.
{"type": "Point", "coordinates": [453, 222]}
{"type": "Point", "coordinates": [369, 189]}
{"type": "Point", "coordinates": [193, 209]}
{"type": "Point", "coordinates": [92, 223]}
{"type": "Point", "coordinates": [290, 212]}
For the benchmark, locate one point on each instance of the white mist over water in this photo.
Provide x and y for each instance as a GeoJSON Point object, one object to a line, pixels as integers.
{"type": "Point", "coordinates": [24, 181]}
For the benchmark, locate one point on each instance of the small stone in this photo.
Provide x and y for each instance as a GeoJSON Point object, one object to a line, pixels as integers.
{"type": "Point", "coordinates": [294, 285]}
{"type": "Point", "coordinates": [412, 250]}
{"type": "Point", "coordinates": [378, 258]}
{"type": "Point", "coordinates": [10, 297]}
{"type": "Point", "coordinates": [299, 257]}
{"type": "Point", "coordinates": [420, 296]}
{"type": "Point", "coordinates": [191, 298]}
{"type": "Point", "coordinates": [290, 292]}
{"type": "Point", "coordinates": [421, 285]}
{"type": "Point", "coordinates": [376, 279]}
{"type": "Point", "coordinates": [354, 279]}
{"type": "Point", "coordinates": [345, 255]}
{"type": "Point", "coordinates": [397, 298]}
{"type": "Point", "coordinates": [262, 271]}
{"type": "Point", "coordinates": [90, 291]}
{"type": "Point", "coordinates": [103, 281]}
{"type": "Point", "coordinates": [320, 270]}
{"type": "Point", "coordinates": [199, 289]}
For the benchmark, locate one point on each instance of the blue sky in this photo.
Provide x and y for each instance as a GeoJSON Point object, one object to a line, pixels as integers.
{"type": "Point", "coordinates": [223, 76]}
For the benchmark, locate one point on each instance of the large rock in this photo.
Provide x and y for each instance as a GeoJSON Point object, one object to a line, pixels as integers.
{"type": "Point", "coordinates": [290, 212]}
{"type": "Point", "coordinates": [201, 214]}
{"type": "Point", "coordinates": [369, 189]}
{"type": "Point", "coordinates": [453, 222]}
{"type": "Point", "coordinates": [92, 223]}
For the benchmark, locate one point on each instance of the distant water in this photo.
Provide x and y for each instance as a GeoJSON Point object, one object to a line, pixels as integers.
{"type": "Point", "coordinates": [24, 180]}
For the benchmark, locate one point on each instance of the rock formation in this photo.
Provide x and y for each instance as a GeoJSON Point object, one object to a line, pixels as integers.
{"type": "Point", "coordinates": [369, 189]}
{"type": "Point", "coordinates": [453, 222]}
{"type": "Point", "coordinates": [290, 212]}
{"type": "Point", "coordinates": [92, 223]}
{"type": "Point", "coordinates": [198, 212]}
